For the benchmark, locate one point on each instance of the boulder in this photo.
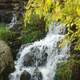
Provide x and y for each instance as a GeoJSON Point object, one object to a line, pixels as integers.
{"type": "Point", "coordinates": [28, 60]}
{"type": "Point", "coordinates": [25, 76]}
{"type": "Point", "coordinates": [6, 60]}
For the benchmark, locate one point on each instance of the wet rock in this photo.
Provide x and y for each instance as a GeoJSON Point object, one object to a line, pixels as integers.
{"type": "Point", "coordinates": [31, 57]}
{"type": "Point", "coordinates": [28, 60]}
{"type": "Point", "coordinates": [25, 76]}
{"type": "Point", "coordinates": [21, 48]}
{"type": "Point", "coordinates": [35, 50]}
{"type": "Point", "coordinates": [37, 75]}
{"type": "Point", "coordinates": [42, 59]}
{"type": "Point", "coordinates": [35, 57]}
{"type": "Point", "coordinates": [6, 60]}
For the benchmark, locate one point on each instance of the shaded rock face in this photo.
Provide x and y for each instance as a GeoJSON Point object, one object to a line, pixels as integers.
{"type": "Point", "coordinates": [25, 76]}
{"type": "Point", "coordinates": [6, 61]}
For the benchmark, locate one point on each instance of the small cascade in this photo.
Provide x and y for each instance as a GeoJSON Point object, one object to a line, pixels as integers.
{"type": "Point", "coordinates": [38, 60]}
{"type": "Point", "coordinates": [13, 21]}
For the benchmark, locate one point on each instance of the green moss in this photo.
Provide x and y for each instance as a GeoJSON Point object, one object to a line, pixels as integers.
{"type": "Point", "coordinates": [4, 32]}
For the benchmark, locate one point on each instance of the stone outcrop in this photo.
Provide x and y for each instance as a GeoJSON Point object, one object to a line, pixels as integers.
{"type": "Point", "coordinates": [6, 61]}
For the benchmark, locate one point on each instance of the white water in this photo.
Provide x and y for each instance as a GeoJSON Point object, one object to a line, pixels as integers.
{"type": "Point", "coordinates": [13, 21]}
{"type": "Point", "coordinates": [50, 45]}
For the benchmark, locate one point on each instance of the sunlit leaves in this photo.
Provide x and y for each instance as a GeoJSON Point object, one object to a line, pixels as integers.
{"type": "Point", "coordinates": [77, 22]}
{"type": "Point", "coordinates": [68, 12]}
{"type": "Point", "coordinates": [57, 12]}
{"type": "Point", "coordinates": [38, 7]}
{"type": "Point", "coordinates": [78, 10]}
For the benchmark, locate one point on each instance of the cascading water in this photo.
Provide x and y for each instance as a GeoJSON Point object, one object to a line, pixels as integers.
{"type": "Point", "coordinates": [39, 59]}
{"type": "Point", "coordinates": [13, 21]}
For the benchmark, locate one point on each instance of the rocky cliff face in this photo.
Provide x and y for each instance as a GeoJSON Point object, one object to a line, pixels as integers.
{"type": "Point", "coordinates": [6, 61]}
{"type": "Point", "coordinates": [7, 7]}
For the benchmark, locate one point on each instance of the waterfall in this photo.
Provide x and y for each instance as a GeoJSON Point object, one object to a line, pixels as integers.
{"type": "Point", "coordinates": [13, 21]}
{"type": "Point", "coordinates": [39, 59]}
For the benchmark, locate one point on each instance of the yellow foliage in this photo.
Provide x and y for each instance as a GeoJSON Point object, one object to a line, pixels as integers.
{"type": "Point", "coordinates": [67, 12]}
{"type": "Point", "coordinates": [78, 10]}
